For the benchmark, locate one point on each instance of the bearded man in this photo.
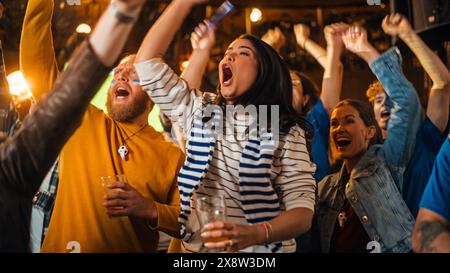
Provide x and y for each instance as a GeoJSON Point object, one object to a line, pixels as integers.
{"type": "Point", "coordinates": [86, 216]}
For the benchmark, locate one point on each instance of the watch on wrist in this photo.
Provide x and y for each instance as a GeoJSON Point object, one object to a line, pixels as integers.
{"type": "Point", "coordinates": [121, 16]}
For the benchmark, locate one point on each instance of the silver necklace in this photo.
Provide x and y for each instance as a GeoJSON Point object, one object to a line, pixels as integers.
{"type": "Point", "coordinates": [123, 149]}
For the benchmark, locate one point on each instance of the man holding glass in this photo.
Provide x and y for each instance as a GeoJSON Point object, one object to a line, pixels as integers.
{"type": "Point", "coordinates": [87, 217]}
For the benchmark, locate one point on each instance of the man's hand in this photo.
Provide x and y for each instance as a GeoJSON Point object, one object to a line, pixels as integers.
{"type": "Point", "coordinates": [129, 202]}
{"type": "Point", "coordinates": [396, 24]}
{"type": "Point", "coordinates": [302, 33]}
{"type": "Point", "coordinates": [203, 37]}
{"type": "Point", "coordinates": [275, 38]}
{"type": "Point", "coordinates": [333, 35]}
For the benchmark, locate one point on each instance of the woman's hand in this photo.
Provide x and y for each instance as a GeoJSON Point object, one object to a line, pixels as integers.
{"type": "Point", "coordinates": [333, 35]}
{"type": "Point", "coordinates": [302, 33]}
{"type": "Point", "coordinates": [355, 40]}
{"type": "Point", "coordinates": [238, 236]}
{"type": "Point", "coordinates": [203, 37]}
{"type": "Point", "coordinates": [275, 38]}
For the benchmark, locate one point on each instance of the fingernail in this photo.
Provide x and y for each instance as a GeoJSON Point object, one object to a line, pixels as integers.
{"type": "Point", "coordinates": [204, 234]}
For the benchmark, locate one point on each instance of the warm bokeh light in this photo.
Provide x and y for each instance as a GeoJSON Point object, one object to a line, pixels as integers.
{"type": "Point", "coordinates": [255, 15]}
{"type": "Point", "coordinates": [18, 86]}
{"type": "Point", "coordinates": [84, 28]}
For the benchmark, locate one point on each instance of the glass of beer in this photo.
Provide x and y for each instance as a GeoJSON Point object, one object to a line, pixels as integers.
{"type": "Point", "coordinates": [211, 209]}
{"type": "Point", "coordinates": [111, 179]}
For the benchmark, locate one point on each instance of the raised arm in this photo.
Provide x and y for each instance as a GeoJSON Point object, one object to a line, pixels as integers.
{"type": "Point", "coordinates": [166, 89]}
{"type": "Point", "coordinates": [37, 56]}
{"type": "Point", "coordinates": [275, 38]}
{"type": "Point", "coordinates": [405, 115]}
{"type": "Point", "coordinates": [27, 156]}
{"type": "Point", "coordinates": [334, 70]}
{"type": "Point", "coordinates": [202, 40]}
{"type": "Point", "coordinates": [162, 32]}
{"type": "Point", "coordinates": [302, 37]}
{"type": "Point", "coordinates": [438, 100]}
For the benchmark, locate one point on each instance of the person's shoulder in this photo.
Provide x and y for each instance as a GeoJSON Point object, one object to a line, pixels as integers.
{"type": "Point", "coordinates": [327, 183]}
{"type": "Point", "coordinates": [94, 114]}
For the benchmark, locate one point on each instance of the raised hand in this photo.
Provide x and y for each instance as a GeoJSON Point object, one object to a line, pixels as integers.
{"type": "Point", "coordinates": [275, 38]}
{"type": "Point", "coordinates": [355, 40]}
{"type": "Point", "coordinates": [333, 35]}
{"type": "Point", "coordinates": [302, 33]}
{"type": "Point", "coordinates": [203, 37]}
{"type": "Point", "coordinates": [396, 24]}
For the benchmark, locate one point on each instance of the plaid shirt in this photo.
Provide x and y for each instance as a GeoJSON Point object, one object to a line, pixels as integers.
{"type": "Point", "coordinates": [45, 200]}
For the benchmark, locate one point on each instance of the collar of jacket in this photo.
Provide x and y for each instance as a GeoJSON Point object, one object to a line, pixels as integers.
{"type": "Point", "coordinates": [365, 167]}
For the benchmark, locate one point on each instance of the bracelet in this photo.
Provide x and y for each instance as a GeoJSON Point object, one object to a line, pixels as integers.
{"type": "Point", "coordinates": [121, 16]}
{"type": "Point", "coordinates": [268, 230]}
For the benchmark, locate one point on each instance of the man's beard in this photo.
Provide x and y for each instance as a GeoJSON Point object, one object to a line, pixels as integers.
{"type": "Point", "coordinates": [127, 112]}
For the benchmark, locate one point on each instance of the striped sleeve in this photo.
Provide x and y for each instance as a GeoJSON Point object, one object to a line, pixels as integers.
{"type": "Point", "coordinates": [169, 91]}
{"type": "Point", "coordinates": [295, 184]}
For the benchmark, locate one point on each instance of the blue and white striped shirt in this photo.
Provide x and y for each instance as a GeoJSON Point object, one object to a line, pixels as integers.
{"type": "Point", "coordinates": [280, 180]}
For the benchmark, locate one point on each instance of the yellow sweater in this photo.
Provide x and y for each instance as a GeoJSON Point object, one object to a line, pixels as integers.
{"type": "Point", "coordinates": [79, 219]}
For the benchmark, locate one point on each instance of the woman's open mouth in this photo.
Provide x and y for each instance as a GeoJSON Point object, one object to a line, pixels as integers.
{"type": "Point", "coordinates": [342, 142]}
{"type": "Point", "coordinates": [227, 75]}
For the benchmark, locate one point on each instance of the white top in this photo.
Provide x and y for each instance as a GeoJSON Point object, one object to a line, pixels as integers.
{"type": "Point", "coordinates": [291, 170]}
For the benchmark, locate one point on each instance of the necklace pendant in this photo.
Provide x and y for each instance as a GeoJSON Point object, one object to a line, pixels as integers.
{"type": "Point", "coordinates": [342, 218]}
{"type": "Point", "coordinates": [123, 152]}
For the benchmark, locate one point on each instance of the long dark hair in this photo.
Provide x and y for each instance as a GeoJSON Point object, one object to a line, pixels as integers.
{"type": "Point", "coordinates": [273, 86]}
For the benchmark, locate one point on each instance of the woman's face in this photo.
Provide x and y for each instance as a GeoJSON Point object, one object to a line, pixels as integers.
{"type": "Point", "coordinates": [298, 99]}
{"type": "Point", "coordinates": [237, 70]}
{"type": "Point", "coordinates": [349, 135]}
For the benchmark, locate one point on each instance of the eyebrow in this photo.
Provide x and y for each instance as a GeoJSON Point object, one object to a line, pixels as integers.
{"type": "Point", "coordinates": [346, 116]}
{"type": "Point", "coordinates": [246, 47]}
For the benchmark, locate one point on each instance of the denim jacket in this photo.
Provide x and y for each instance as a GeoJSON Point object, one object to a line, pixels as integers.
{"type": "Point", "coordinates": [375, 184]}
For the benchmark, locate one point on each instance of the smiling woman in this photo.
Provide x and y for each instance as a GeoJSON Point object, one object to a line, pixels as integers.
{"type": "Point", "coordinates": [361, 205]}
{"type": "Point", "coordinates": [353, 130]}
